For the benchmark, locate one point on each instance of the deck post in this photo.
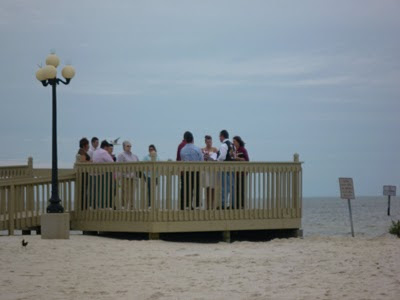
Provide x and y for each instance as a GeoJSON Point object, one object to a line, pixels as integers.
{"type": "Point", "coordinates": [226, 236]}
{"type": "Point", "coordinates": [10, 208]}
{"type": "Point", "coordinates": [30, 166]}
{"type": "Point", "coordinates": [154, 236]}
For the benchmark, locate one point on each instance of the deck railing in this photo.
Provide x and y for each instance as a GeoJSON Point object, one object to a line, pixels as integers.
{"type": "Point", "coordinates": [22, 201]}
{"type": "Point", "coordinates": [173, 196]}
{"type": "Point", "coordinates": [21, 171]}
{"type": "Point", "coordinates": [159, 197]}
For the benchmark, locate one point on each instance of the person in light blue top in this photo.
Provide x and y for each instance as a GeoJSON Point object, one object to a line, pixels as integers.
{"type": "Point", "coordinates": [152, 152]}
{"type": "Point", "coordinates": [191, 153]}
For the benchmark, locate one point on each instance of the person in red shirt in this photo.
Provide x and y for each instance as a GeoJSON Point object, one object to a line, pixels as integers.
{"type": "Point", "coordinates": [240, 154]}
{"type": "Point", "coordinates": [181, 145]}
{"type": "Point", "coordinates": [178, 158]}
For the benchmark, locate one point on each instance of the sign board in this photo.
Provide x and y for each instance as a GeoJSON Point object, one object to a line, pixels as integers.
{"type": "Point", "coordinates": [389, 190]}
{"type": "Point", "coordinates": [346, 188]}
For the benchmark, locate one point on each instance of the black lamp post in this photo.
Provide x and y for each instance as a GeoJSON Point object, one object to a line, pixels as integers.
{"type": "Point", "coordinates": [48, 76]}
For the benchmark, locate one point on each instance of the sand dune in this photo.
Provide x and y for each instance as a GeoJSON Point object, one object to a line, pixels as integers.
{"type": "Point", "coordinates": [89, 267]}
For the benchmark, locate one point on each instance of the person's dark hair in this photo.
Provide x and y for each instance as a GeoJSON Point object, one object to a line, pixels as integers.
{"type": "Point", "coordinates": [83, 142]}
{"type": "Point", "coordinates": [104, 144]}
{"type": "Point", "coordinates": [154, 147]}
{"type": "Point", "coordinates": [94, 139]}
{"type": "Point", "coordinates": [186, 132]}
{"type": "Point", "coordinates": [225, 134]}
{"type": "Point", "coordinates": [208, 137]}
{"type": "Point", "coordinates": [188, 137]}
{"type": "Point", "coordinates": [239, 140]}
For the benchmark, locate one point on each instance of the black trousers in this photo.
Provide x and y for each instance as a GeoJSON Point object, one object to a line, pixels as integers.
{"type": "Point", "coordinates": [240, 179]}
{"type": "Point", "coordinates": [192, 182]}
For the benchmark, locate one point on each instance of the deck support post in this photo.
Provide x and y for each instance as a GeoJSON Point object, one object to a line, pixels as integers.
{"type": "Point", "coordinates": [90, 232]}
{"type": "Point", "coordinates": [226, 236]}
{"type": "Point", "coordinates": [154, 236]}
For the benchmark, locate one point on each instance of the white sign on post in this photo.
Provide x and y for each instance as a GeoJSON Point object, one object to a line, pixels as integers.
{"type": "Point", "coordinates": [389, 190]}
{"type": "Point", "coordinates": [347, 192]}
{"type": "Point", "coordinates": [346, 188]}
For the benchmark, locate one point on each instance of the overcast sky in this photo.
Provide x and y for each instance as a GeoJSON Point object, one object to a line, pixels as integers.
{"type": "Point", "coordinates": [320, 78]}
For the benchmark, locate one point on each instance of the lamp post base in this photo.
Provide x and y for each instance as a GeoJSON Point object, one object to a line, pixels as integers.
{"type": "Point", "coordinates": [55, 207]}
{"type": "Point", "coordinates": [55, 226]}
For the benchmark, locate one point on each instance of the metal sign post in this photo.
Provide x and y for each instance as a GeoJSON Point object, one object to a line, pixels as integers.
{"type": "Point", "coordinates": [389, 190]}
{"type": "Point", "coordinates": [347, 192]}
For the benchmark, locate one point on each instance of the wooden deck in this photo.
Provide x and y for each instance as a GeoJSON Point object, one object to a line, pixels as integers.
{"type": "Point", "coordinates": [162, 197]}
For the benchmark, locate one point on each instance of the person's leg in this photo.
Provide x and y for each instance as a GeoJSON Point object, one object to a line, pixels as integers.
{"type": "Point", "coordinates": [232, 189]}
{"type": "Point", "coordinates": [197, 174]}
{"type": "Point", "coordinates": [189, 189]}
{"type": "Point", "coordinates": [182, 187]}
{"type": "Point", "coordinates": [149, 191]}
{"type": "Point", "coordinates": [223, 189]}
{"type": "Point", "coordinates": [242, 176]}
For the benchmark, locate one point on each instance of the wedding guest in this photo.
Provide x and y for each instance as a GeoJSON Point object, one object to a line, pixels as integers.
{"type": "Point", "coordinates": [178, 158]}
{"type": "Point", "coordinates": [128, 180]}
{"type": "Point", "coordinates": [181, 145]}
{"type": "Point", "coordinates": [240, 154]}
{"type": "Point", "coordinates": [152, 156]}
{"type": "Point", "coordinates": [83, 155]}
{"type": "Point", "coordinates": [94, 146]}
{"type": "Point", "coordinates": [110, 150]}
{"type": "Point", "coordinates": [190, 152]}
{"type": "Point", "coordinates": [104, 182]}
{"type": "Point", "coordinates": [102, 155]}
{"type": "Point", "coordinates": [127, 155]}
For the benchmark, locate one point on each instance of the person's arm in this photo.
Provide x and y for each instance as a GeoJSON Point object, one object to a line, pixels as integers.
{"type": "Point", "coordinates": [201, 156]}
{"type": "Point", "coordinates": [246, 155]}
{"type": "Point", "coordinates": [108, 157]}
{"type": "Point", "coordinates": [178, 153]}
{"type": "Point", "coordinates": [223, 150]}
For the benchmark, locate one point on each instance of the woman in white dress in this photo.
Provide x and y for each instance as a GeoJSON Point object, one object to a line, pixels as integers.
{"type": "Point", "coordinates": [210, 154]}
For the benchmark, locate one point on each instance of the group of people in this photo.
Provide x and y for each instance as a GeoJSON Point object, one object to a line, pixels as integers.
{"type": "Point", "coordinates": [187, 151]}
{"type": "Point", "coordinates": [104, 153]}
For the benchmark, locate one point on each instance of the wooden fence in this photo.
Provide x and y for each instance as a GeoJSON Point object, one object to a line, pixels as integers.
{"type": "Point", "coordinates": [157, 197]}
{"type": "Point", "coordinates": [12, 172]}
{"type": "Point", "coordinates": [188, 196]}
{"type": "Point", "coordinates": [22, 201]}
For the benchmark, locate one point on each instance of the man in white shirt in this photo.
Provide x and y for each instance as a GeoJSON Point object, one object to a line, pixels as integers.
{"type": "Point", "coordinates": [227, 178]}
{"type": "Point", "coordinates": [93, 147]}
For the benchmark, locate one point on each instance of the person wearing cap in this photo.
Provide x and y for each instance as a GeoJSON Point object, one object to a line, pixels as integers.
{"type": "Point", "coordinates": [128, 180]}
{"type": "Point", "coordinates": [127, 155]}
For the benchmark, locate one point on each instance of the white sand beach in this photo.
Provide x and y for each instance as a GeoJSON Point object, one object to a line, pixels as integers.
{"type": "Point", "coordinates": [92, 267]}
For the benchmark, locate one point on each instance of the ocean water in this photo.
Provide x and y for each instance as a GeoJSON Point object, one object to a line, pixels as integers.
{"type": "Point", "coordinates": [329, 216]}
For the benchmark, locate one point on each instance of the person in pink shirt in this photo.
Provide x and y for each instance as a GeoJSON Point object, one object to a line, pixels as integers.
{"type": "Point", "coordinates": [102, 154]}
{"type": "Point", "coordinates": [103, 182]}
